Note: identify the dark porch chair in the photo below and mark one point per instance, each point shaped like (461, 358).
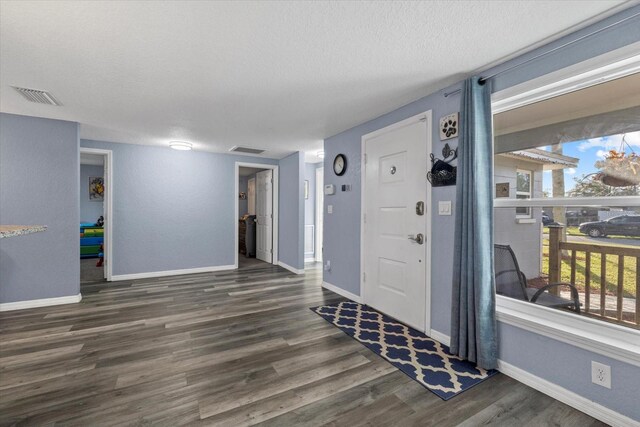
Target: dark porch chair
(512, 282)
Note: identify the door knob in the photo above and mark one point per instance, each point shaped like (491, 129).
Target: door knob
(419, 238)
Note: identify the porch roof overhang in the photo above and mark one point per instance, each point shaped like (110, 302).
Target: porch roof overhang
(548, 160)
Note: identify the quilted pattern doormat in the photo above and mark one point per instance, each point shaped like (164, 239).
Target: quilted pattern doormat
(426, 361)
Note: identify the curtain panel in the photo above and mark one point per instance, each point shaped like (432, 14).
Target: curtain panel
(473, 313)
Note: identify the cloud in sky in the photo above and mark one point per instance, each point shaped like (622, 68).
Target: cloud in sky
(570, 171)
(611, 142)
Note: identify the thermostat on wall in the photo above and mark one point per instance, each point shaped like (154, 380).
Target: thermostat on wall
(329, 189)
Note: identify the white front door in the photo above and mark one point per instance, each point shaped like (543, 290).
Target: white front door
(264, 215)
(394, 259)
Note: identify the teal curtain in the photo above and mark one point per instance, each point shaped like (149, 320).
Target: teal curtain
(473, 312)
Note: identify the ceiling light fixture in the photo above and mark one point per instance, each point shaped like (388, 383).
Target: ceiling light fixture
(320, 154)
(181, 145)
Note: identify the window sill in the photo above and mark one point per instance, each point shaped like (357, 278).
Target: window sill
(614, 341)
(525, 220)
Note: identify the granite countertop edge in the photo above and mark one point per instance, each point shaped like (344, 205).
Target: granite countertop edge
(19, 230)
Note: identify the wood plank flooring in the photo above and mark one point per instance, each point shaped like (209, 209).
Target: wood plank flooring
(227, 348)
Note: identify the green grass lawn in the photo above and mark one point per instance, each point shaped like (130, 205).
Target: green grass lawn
(629, 282)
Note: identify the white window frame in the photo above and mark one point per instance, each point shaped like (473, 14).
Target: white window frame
(529, 193)
(615, 341)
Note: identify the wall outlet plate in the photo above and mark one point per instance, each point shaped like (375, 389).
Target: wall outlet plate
(449, 126)
(444, 207)
(601, 374)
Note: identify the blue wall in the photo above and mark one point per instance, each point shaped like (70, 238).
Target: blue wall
(39, 172)
(291, 211)
(172, 210)
(571, 366)
(90, 210)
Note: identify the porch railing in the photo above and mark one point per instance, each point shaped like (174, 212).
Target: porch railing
(609, 307)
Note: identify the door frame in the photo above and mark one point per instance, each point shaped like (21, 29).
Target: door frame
(108, 207)
(276, 198)
(425, 116)
(319, 215)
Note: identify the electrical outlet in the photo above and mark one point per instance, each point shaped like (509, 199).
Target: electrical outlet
(327, 266)
(601, 374)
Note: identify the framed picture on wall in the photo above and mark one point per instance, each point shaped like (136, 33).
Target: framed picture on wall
(96, 188)
(306, 189)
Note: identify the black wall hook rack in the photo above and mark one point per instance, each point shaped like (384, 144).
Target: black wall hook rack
(442, 173)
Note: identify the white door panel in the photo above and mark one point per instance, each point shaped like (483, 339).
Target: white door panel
(251, 196)
(264, 215)
(394, 265)
(319, 212)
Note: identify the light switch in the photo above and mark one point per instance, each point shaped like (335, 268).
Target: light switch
(330, 209)
(444, 208)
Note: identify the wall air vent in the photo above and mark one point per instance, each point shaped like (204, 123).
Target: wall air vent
(39, 96)
(247, 150)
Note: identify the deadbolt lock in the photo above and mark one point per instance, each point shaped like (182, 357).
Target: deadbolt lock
(420, 208)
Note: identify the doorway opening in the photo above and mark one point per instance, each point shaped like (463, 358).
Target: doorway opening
(95, 215)
(256, 228)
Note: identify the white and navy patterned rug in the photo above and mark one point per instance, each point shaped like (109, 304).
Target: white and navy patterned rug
(420, 357)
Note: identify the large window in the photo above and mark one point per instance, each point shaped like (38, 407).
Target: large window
(567, 181)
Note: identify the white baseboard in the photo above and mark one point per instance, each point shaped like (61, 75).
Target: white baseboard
(152, 274)
(342, 292)
(589, 407)
(440, 337)
(44, 302)
(291, 269)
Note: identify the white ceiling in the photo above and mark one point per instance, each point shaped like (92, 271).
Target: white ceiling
(275, 75)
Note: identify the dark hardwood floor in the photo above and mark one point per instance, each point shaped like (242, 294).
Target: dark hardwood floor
(227, 348)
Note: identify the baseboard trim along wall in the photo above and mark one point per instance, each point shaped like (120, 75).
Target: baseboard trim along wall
(291, 269)
(342, 292)
(151, 274)
(589, 407)
(44, 302)
(440, 337)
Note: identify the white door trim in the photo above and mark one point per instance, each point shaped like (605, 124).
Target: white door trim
(319, 214)
(276, 198)
(427, 115)
(108, 207)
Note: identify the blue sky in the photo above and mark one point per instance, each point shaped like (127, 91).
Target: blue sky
(589, 151)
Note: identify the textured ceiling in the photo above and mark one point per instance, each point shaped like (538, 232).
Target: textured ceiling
(280, 76)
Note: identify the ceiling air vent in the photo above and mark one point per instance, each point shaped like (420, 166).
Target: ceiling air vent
(247, 150)
(39, 96)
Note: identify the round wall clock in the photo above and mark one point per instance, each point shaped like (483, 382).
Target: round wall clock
(340, 164)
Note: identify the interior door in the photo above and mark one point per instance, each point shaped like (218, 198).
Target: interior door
(251, 196)
(319, 212)
(264, 215)
(395, 238)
